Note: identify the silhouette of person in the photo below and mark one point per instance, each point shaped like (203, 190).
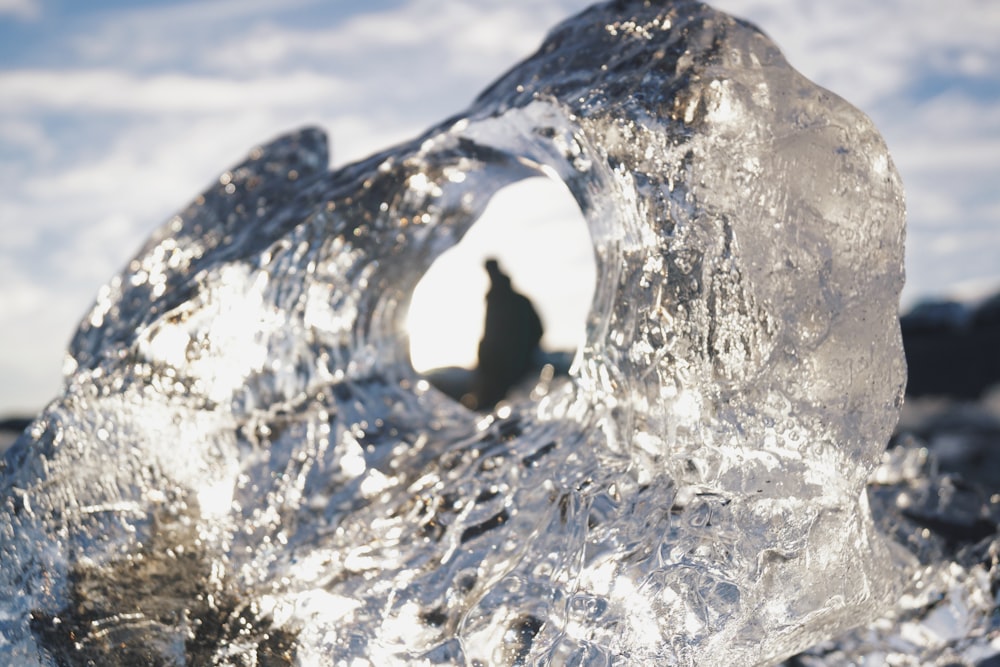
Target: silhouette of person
(510, 340)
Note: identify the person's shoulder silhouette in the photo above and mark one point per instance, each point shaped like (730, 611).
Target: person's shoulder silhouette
(511, 337)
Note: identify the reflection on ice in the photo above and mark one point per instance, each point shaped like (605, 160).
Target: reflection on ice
(245, 470)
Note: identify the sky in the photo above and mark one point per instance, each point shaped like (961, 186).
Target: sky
(115, 114)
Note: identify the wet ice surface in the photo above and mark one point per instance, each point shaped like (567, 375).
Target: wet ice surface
(244, 469)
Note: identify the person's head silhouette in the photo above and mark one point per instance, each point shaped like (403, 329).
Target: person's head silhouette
(498, 279)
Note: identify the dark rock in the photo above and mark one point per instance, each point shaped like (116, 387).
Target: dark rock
(951, 350)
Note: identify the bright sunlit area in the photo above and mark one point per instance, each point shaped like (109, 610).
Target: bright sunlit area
(536, 232)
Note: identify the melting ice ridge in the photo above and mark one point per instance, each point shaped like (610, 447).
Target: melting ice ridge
(244, 469)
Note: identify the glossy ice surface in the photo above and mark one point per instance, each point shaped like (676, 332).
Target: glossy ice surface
(245, 470)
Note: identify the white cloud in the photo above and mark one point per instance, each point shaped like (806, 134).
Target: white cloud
(35, 323)
(82, 91)
(25, 10)
(26, 135)
(145, 34)
(480, 38)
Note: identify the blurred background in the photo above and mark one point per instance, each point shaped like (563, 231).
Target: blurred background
(115, 114)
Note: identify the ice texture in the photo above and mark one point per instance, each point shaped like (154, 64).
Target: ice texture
(244, 469)
(947, 615)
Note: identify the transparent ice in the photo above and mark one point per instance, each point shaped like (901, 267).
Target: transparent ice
(244, 469)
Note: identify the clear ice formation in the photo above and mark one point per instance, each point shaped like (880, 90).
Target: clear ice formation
(244, 469)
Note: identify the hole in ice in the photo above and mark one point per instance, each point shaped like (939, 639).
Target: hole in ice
(536, 233)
